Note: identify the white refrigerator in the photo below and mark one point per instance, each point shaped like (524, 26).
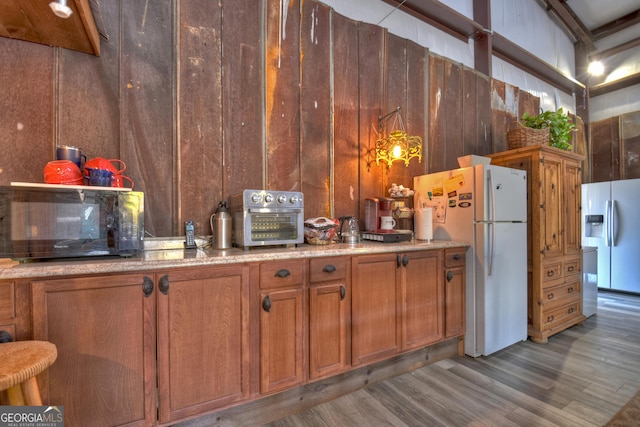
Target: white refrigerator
(610, 222)
(486, 206)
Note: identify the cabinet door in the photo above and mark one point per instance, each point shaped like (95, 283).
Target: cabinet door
(329, 313)
(203, 340)
(422, 298)
(104, 330)
(281, 339)
(327, 330)
(552, 209)
(374, 299)
(572, 188)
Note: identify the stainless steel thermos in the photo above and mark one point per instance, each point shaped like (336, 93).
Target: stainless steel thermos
(221, 227)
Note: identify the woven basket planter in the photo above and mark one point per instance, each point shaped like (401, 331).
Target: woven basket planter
(519, 135)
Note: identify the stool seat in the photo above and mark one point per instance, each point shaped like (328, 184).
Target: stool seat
(20, 362)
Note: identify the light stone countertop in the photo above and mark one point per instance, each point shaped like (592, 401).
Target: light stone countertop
(169, 258)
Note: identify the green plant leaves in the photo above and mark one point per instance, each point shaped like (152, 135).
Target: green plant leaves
(559, 124)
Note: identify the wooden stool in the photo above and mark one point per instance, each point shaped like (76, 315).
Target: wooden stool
(20, 362)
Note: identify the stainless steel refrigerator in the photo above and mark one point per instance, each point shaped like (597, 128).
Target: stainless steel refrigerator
(486, 206)
(610, 211)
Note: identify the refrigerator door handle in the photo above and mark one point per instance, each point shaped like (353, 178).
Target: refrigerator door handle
(491, 196)
(613, 222)
(607, 226)
(492, 229)
(491, 224)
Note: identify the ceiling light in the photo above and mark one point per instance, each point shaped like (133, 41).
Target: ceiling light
(60, 8)
(596, 68)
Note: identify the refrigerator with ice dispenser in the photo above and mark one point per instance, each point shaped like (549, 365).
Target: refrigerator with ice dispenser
(485, 205)
(610, 223)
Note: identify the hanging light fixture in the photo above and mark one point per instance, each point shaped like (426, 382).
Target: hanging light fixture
(398, 145)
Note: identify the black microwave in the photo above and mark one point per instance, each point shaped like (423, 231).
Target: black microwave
(58, 221)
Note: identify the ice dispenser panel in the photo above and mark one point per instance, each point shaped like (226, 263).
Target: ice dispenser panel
(593, 226)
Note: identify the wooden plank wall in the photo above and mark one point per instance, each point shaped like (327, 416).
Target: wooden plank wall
(203, 99)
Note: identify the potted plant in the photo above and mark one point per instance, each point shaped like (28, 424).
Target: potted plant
(559, 124)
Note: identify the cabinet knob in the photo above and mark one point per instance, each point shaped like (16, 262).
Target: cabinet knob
(283, 273)
(163, 284)
(550, 273)
(266, 304)
(343, 292)
(405, 260)
(449, 276)
(571, 268)
(5, 336)
(147, 286)
(457, 256)
(550, 295)
(329, 268)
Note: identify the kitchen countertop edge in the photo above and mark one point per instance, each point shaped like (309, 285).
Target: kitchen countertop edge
(181, 258)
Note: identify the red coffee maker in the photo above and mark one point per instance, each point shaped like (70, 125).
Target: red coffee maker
(374, 208)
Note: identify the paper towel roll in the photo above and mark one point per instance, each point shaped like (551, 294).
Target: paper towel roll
(424, 224)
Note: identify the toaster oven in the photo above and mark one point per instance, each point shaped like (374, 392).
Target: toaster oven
(264, 218)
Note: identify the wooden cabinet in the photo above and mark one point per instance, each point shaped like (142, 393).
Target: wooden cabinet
(454, 292)
(554, 233)
(203, 340)
(375, 289)
(422, 298)
(8, 308)
(329, 316)
(105, 331)
(281, 333)
(397, 303)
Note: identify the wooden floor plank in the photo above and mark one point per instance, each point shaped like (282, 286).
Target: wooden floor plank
(581, 378)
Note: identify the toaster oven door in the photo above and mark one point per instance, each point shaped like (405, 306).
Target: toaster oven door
(273, 227)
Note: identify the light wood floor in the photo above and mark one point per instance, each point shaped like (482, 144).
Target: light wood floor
(581, 377)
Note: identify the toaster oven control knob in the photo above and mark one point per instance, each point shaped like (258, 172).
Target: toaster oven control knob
(282, 198)
(255, 198)
(268, 198)
(294, 199)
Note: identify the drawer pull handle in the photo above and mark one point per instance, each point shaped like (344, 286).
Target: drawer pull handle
(343, 292)
(550, 319)
(457, 257)
(550, 273)
(570, 290)
(283, 273)
(550, 295)
(329, 268)
(571, 268)
(570, 310)
(266, 304)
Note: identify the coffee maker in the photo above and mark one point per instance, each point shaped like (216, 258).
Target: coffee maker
(374, 208)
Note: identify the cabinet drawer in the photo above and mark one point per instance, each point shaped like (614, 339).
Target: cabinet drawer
(454, 257)
(561, 294)
(556, 316)
(328, 269)
(573, 266)
(7, 302)
(551, 271)
(282, 274)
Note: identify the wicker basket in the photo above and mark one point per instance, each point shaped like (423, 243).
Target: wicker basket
(519, 136)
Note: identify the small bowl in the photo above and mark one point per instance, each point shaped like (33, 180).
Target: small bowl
(62, 172)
